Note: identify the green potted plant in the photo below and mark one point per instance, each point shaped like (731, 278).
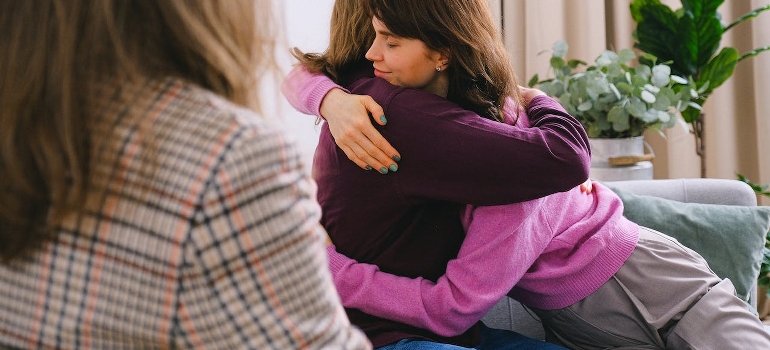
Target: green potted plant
(688, 39)
(616, 99)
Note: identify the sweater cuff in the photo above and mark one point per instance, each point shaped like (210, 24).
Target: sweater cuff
(336, 260)
(316, 96)
(305, 91)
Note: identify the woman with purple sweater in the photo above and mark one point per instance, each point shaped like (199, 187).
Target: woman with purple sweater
(596, 279)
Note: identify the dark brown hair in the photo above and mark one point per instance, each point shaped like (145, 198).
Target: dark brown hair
(480, 73)
(54, 53)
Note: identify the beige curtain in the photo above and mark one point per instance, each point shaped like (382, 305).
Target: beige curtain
(737, 124)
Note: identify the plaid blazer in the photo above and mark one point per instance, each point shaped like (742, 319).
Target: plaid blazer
(200, 230)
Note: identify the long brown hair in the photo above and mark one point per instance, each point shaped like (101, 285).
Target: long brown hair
(480, 73)
(53, 54)
(350, 35)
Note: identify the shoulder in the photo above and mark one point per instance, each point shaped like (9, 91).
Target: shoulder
(205, 117)
(198, 130)
(397, 100)
(543, 102)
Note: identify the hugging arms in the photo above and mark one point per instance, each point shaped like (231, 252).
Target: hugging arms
(471, 286)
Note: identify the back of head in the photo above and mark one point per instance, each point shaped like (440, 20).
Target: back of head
(350, 35)
(54, 53)
(480, 74)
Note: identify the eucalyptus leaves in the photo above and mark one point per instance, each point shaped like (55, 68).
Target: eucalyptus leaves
(613, 99)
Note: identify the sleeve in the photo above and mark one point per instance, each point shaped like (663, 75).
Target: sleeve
(305, 91)
(262, 279)
(484, 162)
(467, 290)
(474, 160)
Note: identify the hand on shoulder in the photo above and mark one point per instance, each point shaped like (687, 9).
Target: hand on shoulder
(349, 121)
(530, 93)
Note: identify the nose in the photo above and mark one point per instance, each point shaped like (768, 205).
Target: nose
(373, 54)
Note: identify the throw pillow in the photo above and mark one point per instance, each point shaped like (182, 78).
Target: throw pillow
(730, 238)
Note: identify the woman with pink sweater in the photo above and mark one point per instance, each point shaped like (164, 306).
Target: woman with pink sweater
(579, 264)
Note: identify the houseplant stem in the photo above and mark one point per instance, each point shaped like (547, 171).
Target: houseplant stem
(700, 145)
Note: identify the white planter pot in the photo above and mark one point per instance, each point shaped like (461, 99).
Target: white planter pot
(620, 159)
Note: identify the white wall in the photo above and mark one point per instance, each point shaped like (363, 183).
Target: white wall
(305, 24)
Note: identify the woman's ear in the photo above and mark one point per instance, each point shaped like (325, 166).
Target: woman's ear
(444, 57)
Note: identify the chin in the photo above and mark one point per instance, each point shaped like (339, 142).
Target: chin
(392, 82)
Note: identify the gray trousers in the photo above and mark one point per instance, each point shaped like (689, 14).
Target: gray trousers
(664, 297)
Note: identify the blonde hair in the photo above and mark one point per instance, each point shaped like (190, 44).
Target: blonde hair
(53, 53)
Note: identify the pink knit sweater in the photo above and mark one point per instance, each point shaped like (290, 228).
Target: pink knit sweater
(547, 253)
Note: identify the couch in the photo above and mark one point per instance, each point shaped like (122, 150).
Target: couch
(509, 314)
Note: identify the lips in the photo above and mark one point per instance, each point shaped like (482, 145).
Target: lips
(380, 74)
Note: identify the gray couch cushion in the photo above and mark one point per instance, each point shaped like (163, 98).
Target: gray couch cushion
(731, 238)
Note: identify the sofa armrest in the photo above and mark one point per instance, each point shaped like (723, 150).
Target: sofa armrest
(706, 191)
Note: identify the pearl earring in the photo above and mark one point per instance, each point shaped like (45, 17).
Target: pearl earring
(438, 69)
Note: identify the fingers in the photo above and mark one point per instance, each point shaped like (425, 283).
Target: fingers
(530, 93)
(586, 187)
(379, 148)
(363, 152)
(374, 109)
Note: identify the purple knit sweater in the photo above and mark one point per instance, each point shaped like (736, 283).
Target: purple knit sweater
(408, 223)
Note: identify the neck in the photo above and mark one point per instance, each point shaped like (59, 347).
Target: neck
(440, 86)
